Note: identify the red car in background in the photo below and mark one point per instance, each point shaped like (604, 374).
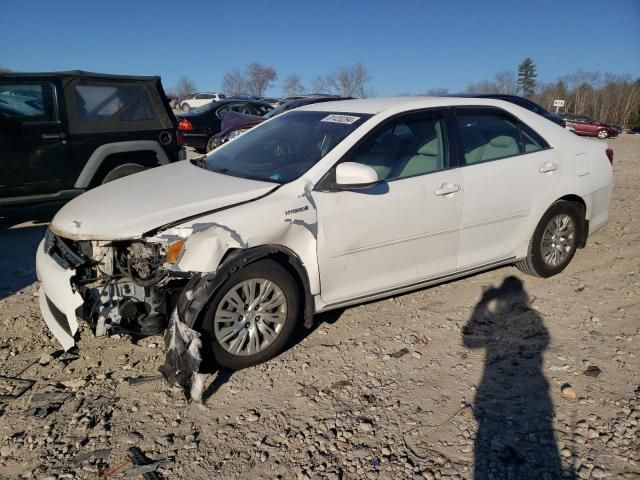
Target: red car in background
(589, 127)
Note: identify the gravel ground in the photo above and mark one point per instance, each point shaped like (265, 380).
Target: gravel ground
(496, 376)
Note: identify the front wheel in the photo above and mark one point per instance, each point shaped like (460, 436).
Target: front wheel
(554, 241)
(253, 315)
(186, 107)
(602, 133)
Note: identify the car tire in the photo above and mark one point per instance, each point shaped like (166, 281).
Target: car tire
(213, 143)
(122, 171)
(554, 240)
(602, 134)
(185, 107)
(232, 330)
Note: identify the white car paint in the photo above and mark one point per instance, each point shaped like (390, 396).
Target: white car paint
(354, 246)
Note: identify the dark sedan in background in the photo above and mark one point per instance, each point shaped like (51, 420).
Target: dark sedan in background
(589, 127)
(235, 124)
(199, 126)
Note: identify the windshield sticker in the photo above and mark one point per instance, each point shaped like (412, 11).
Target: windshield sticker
(344, 119)
(276, 177)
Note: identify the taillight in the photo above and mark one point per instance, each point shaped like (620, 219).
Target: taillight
(180, 139)
(185, 125)
(609, 152)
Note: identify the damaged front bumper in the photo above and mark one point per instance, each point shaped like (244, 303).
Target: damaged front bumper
(58, 301)
(85, 280)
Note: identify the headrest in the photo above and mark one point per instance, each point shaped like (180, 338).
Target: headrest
(429, 148)
(502, 141)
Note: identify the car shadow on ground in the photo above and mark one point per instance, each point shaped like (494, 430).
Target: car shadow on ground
(223, 375)
(513, 407)
(18, 256)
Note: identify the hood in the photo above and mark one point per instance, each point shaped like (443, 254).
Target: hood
(129, 207)
(238, 121)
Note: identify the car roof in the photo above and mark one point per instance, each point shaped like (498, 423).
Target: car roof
(378, 105)
(78, 73)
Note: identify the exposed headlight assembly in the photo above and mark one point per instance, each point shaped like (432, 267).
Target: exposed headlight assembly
(142, 262)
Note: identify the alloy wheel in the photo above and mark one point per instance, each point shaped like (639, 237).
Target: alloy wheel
(558, 240)
(250, 316)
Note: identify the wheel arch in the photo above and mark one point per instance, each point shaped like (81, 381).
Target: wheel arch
(202, 286)
(583, 231)
(99, 158)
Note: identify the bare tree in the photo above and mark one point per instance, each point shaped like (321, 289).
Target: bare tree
(345, 81)
(292, 85)
(483, 86)
(185, 87)
(234, 83)
(259, 78)
(506, 82)
(607, 97)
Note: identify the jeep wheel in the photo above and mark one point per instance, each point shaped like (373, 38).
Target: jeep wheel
(122, 171)
(253, 315)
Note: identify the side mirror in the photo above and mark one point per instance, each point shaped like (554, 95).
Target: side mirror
(355, 175)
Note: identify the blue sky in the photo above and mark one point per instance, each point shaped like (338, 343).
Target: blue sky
(407, 45)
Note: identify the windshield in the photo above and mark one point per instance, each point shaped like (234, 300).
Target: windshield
(283, 149)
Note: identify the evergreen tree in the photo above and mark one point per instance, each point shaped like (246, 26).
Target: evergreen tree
(527, 77)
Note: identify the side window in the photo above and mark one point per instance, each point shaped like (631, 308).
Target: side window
(532, 141)
(101, 103)
(28, 102)
(260, 109)
(406, 148)
(488, 136)
(222, 111)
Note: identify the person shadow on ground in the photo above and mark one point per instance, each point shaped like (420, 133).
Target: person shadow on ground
(513, 408)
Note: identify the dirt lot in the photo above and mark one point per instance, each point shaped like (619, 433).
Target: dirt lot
(441, 383)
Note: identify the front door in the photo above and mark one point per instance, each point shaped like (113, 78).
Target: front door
(34, 154)
(401, 231)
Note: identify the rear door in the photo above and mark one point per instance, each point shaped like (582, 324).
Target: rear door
(403, 230)
(509, 173)
(34, 153)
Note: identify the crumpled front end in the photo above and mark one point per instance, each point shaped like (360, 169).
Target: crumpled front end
(115, 286)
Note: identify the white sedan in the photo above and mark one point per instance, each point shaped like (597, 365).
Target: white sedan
(326, 206)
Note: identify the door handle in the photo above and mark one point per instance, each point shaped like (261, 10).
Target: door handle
(54, 136)
(447, 189)
(548, 168)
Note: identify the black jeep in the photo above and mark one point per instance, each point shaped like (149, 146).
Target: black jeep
(65, 132)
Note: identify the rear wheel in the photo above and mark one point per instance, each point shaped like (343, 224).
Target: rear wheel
(554, 241)
(253, 315)
(122, 171)
(213, 143)
(602, 133)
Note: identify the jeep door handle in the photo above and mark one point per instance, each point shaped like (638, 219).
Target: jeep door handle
(54, 136)
(447, 189)
(548, 168)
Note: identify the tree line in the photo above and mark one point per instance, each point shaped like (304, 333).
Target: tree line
(255, 79)
(607, 97)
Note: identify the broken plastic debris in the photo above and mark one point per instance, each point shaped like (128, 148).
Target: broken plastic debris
(182, 362)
